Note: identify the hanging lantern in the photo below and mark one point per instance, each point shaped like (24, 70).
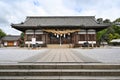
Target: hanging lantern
(68, 33)
(64, 35)
(60, 34)
(57, 36)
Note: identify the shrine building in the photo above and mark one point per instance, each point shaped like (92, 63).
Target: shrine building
(44, 30)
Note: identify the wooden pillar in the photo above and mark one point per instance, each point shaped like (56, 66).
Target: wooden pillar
(45, 38)
(34, 34)
(74, 38)
(86, 36)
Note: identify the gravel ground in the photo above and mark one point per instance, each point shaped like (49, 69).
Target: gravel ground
(105, 55)
(17, 54)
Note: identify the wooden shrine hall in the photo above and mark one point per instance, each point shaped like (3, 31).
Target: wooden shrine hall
(76, 30)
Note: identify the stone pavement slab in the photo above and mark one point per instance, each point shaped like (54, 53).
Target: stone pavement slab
(59, 55)
(104, 55)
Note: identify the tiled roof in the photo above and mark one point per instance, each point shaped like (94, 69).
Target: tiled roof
(11, 38)
(56, 21)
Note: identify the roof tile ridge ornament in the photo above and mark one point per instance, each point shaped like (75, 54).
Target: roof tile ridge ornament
(94, 19)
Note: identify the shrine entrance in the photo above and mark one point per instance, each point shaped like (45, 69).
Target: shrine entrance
(61, 36)
(60, 39)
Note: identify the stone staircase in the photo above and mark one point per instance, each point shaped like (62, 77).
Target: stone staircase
(59, 71)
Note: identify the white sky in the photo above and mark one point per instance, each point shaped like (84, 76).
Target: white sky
(15, 11)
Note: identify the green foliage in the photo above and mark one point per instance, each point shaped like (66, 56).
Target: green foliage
(21, 40)
(116, 36)
(113, 36)
(107, 21)
(2, 34)
(107, 35)
(22, 36)
(116, 28)
(117, 20)
(112, 32)
(100, 35)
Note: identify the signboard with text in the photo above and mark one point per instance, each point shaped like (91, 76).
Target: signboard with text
(33, 40)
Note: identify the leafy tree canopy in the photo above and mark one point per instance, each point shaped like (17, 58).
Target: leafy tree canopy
(112, 32)
(107, 21)
(22, 36)
(117, 20)
(21, 40)
(2, 34)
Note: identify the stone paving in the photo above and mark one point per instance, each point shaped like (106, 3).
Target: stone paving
(59, 64)
(97, 55)
(104, 55)
(59, 55)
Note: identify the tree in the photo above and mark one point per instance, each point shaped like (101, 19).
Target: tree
(117, 20)
(113, 36)
(116, 29)
(22, 36)
(2, 34)
(22, 40)
(101, 37)
(108, 34)
(107, 21)
(112, 32)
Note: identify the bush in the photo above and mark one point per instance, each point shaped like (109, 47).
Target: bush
(115, 43)
(22, 45)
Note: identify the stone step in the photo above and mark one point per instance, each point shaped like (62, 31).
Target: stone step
(58, 78)
(60, 66)
(60, 72)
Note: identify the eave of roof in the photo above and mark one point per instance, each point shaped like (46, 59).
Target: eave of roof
(35, 22)
(11, 38)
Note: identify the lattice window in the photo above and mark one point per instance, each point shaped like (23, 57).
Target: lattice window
(81, 37)
(29, 37)
(38, 37)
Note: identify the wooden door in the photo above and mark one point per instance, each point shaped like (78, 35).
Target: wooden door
(10, 43)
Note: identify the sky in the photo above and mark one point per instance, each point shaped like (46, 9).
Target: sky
(15, 11)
